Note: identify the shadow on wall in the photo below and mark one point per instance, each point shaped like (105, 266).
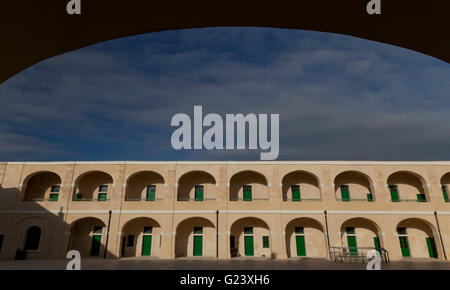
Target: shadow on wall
(34, 232)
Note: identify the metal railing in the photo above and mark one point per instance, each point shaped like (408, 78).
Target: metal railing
(408, 200)
(356, 254)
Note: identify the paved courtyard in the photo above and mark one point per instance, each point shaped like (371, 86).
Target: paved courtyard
(212, 264)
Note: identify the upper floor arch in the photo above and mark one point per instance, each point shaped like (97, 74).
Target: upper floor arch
(41, 185)
(248, 185)
(196, 185)
(407, 186)
(353, 185)
(93, 184)
(143, 185)
(300, 185)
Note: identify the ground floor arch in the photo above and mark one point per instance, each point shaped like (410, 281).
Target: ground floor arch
(305, 237)
(250, 237)
(416, 239)
(360, 233)
(195, 237)
(88, 236)
(140, 237)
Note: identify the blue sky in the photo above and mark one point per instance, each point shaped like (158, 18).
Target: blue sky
(339, 97)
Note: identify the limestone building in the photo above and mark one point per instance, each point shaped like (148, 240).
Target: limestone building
(279, 209)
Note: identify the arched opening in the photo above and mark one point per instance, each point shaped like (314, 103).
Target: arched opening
(196, 186)
(445, 183)
(353, 186)
(93, 185)
(250, 237)
(42, 186)
(248, 186)
(144, 185)
(416, 239)
(88, 235)
(300, 185)
(32, 239)
(360, 233)
(195, 237)
(407, 186)
(140, 237)
(305, 237)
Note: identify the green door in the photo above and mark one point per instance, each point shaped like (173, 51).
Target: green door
(198, 245)
(404, 246)
(445, 193)
(248, 243)
(151, 193)
(376, 241)
(351, 241)
(394, 193)
(95, 247)
(295, 193)
(146, 245)
(301, 248)
(345, 193)
(247, 193)
(432, 248)
(199, 193)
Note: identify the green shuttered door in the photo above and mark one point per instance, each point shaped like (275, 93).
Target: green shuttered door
(351, 241)
(198, 245)
(248, 243)
(95, 247)
(295, 193)
(345, 193)
(146, 245)
(404, 246)
(394, 193)
(432, 248)
(301, 248)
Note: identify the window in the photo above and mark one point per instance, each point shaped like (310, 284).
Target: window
(394, 193)
(350, 230)
(247, 189)
(102, 192)
(345, 193)
(148, 230)
(401, 231)
(248, 231)
(232, 243)
(32, 239)
(103, 188)
(299, 230)
(78, 196)
(151, 193)
(199, 192)
(97, 230)
(198, 230)
(55, 189)
(369, 197)
(445, 193)
(54, 193)
(295, 192)
(130, 241)
(265, 242)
